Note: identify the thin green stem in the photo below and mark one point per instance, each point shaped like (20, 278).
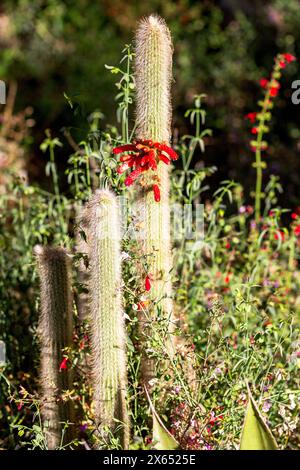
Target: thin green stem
(88, 171)
(258, 162)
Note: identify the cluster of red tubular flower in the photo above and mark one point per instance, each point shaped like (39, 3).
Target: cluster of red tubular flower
(271, 87)
(142, 156)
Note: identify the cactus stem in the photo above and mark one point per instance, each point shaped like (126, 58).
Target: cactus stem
(107, 320)
(55, 331)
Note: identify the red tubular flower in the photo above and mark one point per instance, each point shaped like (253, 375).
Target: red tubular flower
(145, 155)
(279, 235)
(251, 117)
(289, 57)
(156, 192)
(134, 175)
(147, 284)
(254, 130)
(164, 159)
(127, 158)
(168, 150)
(297, 230)
(63, 364)
(263, 82)
(273, 91)
(124, 148)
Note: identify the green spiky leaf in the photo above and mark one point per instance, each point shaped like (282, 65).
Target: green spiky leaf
(256, 435)
(162, 438)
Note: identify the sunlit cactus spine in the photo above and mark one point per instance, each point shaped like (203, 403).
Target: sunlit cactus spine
(55, 331)
(109, 375)
(153, 75)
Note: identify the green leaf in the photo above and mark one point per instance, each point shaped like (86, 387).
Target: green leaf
(256, 435)
(162, 438)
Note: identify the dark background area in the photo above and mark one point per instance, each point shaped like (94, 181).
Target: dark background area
(222, 48)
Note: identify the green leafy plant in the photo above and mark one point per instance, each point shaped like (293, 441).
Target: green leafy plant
(256, 435)
(162, 438)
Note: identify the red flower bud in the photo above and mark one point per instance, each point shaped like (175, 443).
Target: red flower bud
(251, 117)
(297, 230)
(147, 284)
(63, 364)
(264, 82)
(289, 57)
(273, 91)
(156, 191)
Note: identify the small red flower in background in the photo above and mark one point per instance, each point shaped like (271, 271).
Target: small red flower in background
(279, 235)
(227, 278)
(254, 130)
(214, 420)
(289, 57)
(63, 364)
(294, 216)
(286, 59)
(273, 91)
(145, 155)
(251, 117)
(147, 284)
(297, 230)
(263, 82)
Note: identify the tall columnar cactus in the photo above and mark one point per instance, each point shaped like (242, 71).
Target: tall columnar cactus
(106, 315)
(153, 74)
(55, 330)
